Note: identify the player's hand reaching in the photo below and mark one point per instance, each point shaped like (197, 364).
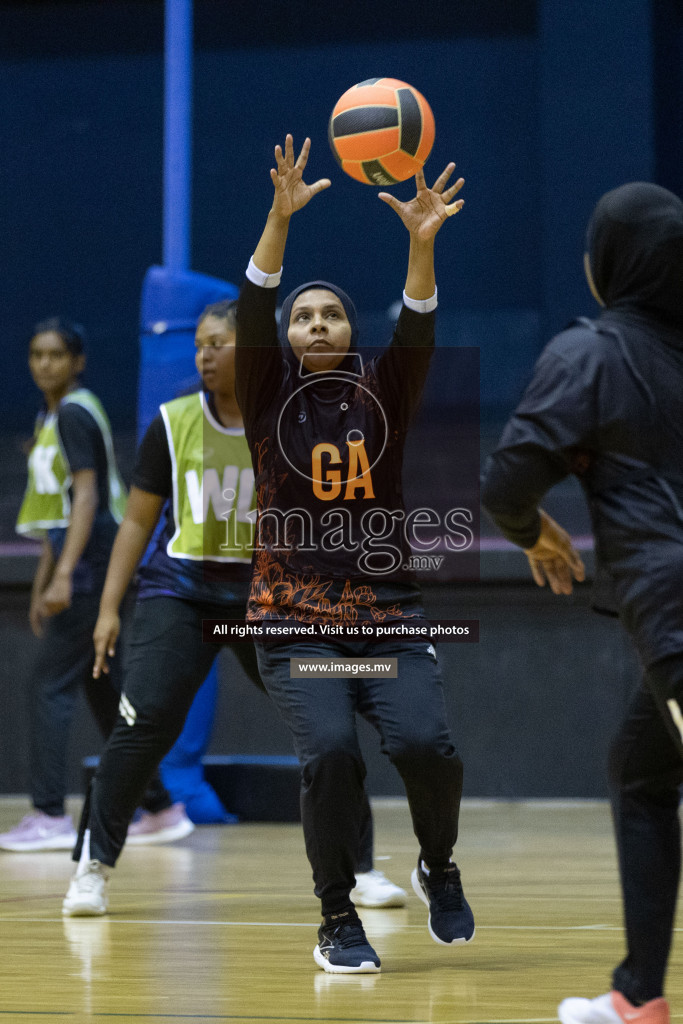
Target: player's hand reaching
(424, 215)
(554, 558)
(291, 191)
(105, 635)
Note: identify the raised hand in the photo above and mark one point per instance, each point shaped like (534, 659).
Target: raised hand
(291, 191)
(424, 215)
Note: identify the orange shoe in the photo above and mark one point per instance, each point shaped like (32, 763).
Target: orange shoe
(612, 1008)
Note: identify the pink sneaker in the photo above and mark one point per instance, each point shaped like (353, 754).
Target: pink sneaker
(612, 1008)
(162, 827)
(39, 831)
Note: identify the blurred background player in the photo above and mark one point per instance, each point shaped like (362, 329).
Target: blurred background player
(193, 456)
(308, 403)
(74, 501)
(606, 403)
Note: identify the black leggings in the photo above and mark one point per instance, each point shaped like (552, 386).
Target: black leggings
(63, 669)
(166, 662)
(646, 771)
(410, 715)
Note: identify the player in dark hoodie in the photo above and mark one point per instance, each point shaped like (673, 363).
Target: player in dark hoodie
(606, 403)
(326, 431)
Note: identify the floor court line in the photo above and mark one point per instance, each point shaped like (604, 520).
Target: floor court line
(270, 896)
(286, 1020)
(251, 1019)
(112, 919)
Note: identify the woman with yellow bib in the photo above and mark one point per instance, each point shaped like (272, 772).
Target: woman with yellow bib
(74, 501)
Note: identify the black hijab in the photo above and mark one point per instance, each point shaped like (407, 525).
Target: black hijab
(635, 246)
(349, 364)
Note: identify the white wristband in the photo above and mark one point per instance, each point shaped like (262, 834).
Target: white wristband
(260, 277)
(421, 305)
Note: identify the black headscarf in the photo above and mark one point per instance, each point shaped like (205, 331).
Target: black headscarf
(635, 246)
(349, 364)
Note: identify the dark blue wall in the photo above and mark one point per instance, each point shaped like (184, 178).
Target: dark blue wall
(543, 106)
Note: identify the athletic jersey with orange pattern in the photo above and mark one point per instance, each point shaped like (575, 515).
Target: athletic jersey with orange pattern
(331, 543)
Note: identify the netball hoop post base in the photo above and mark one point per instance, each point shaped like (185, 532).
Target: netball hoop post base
(254, 787)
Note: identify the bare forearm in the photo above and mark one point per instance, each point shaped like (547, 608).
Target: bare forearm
(131, 540)
(420, 279)
(423, 216)
(83, 511)
(270, 251)
(44, 570)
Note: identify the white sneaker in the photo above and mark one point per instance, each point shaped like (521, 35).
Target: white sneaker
(612, 1008)
(87, 893)
(373, 889)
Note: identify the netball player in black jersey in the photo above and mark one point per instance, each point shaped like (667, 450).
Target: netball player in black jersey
(326, 434)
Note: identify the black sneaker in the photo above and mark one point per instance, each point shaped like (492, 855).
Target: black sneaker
(451, 922)
(343, 948)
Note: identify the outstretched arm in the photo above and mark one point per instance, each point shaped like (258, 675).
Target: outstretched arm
(258, 362)
(555, 425)
(423, 217)
(291, 194)
(403, 367)
(513, 485)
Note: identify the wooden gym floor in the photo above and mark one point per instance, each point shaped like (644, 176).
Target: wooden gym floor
(221, 926)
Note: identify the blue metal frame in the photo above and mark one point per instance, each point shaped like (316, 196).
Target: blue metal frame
(177, 134)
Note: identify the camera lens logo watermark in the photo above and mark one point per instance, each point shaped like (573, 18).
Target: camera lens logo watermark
(354, 437)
